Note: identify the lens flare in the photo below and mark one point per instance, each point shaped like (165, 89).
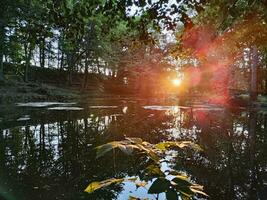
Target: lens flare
(176, 82)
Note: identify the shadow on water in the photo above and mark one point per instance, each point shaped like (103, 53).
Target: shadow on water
(49, 154)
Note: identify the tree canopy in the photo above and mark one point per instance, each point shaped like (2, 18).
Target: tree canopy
(109, 36)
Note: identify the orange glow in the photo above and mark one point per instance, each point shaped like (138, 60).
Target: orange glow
(176, 82)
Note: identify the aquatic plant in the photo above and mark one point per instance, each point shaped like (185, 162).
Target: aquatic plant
(173, 183)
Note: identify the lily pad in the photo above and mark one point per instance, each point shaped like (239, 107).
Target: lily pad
(42, 104)
(66, 108)
(100, 107)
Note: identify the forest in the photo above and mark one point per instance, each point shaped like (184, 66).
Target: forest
(124, 43)
(133, 99)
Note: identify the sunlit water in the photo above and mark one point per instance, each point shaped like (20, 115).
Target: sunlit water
(47, 150)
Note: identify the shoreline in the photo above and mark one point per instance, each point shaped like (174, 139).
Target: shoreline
(15, 92)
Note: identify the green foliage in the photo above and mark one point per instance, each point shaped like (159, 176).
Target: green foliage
(98, 185)
(159, 185)
(170, 144)
(87, 31)
(171, 194)
(172, 183)
(154, 171)
(129, 144)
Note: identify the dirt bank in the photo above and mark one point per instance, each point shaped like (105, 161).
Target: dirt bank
(14, 91)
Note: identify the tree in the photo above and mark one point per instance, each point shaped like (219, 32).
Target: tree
(219, 37)
(8, 12)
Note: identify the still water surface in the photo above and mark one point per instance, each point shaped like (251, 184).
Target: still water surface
(47, 150)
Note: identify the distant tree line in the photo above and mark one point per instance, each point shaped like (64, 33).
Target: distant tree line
(112, 37)
(81, 36)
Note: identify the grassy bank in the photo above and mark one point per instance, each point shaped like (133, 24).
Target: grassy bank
(14, 91)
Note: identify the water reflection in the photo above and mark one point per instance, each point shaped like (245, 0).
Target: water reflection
(51, 155)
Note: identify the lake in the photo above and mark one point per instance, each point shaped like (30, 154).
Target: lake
(47, 150)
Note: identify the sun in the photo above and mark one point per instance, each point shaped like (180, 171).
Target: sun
(176, 81)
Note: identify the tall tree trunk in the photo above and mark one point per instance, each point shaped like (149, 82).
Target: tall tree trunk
(61, 50)
(27, 66)
(70, 67)
(253, 81)
(70, 76)
(28, 53)
(2, 41)
(85, 81)
(62, 61)
(2, 152)
(87, 57)
(49, 55)
(42, 53)
(98, 67)
(58, 58)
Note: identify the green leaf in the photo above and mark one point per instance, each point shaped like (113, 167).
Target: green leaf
(182, 181)
(141, 184)
(132, 198)
(185, 197)
(158, 186)
(190, 145)
(161, 146)
(153, 155)
(198, 189)
(103, 149)
(135, 198)
(182, 185)
(92, 187)
(122, 145)
(127, 149)
(98, 185)
(174, 173)
(153, 170)
(185, 192)
(165, 145)
(135, 140)
(133, 179)
(69, 4)
(171, 194)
